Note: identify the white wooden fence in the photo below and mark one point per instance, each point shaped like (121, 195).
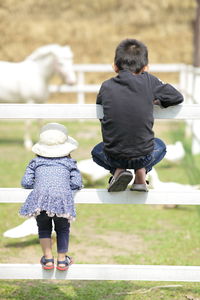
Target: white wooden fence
(101, 272)
(81, 87)
(191, 90)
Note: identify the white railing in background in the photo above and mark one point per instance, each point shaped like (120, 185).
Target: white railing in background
(190, 87)
(81, 88)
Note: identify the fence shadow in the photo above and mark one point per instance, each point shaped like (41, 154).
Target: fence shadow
(11, 141)
(20, 244)
(66, 290)
(93, 290)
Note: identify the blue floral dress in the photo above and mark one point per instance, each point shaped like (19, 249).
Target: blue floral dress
(54, 181)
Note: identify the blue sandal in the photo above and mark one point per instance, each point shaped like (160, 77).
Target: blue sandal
(67, 262)
(44, 261)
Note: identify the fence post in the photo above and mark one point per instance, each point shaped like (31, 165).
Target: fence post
(196, 123)
(81, 82)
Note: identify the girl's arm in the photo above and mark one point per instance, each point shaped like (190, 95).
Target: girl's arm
(28, 179)
(75, 179)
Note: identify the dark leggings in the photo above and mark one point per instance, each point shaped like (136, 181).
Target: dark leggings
(62, 226)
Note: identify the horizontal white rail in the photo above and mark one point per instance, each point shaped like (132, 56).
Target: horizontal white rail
(103, 272)
(108, 67)
(101, 196)
(87, 111)
(81, 88)
(50, 111)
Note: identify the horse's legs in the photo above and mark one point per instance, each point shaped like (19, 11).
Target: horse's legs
(27, 136)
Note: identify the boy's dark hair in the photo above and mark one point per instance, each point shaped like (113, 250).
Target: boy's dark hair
(131, 55)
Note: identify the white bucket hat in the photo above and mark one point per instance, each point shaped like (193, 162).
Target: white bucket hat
(54, 141)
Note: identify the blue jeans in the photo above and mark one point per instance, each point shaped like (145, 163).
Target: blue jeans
(147, 162)
(44, 223)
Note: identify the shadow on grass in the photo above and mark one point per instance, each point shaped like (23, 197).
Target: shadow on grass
(12, 141)
(73, 290)
(189, 163)
(198, 209)
(179, 208)
(94, 290)
(20, 244)
(21, 290)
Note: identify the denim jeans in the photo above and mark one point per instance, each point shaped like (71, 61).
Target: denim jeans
(147, 162)
(62, 226)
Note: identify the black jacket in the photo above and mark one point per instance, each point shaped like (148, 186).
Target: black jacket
(127, 101)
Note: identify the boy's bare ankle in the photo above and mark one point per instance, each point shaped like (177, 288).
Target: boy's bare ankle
(140, 176)
(118, 171)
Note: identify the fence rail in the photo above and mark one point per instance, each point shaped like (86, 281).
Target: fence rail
(103, 272)
(101, 196)
(108, 68)
(88, 111)
(81, 87)
(188, 79)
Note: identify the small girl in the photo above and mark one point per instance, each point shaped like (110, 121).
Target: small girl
(53, 176)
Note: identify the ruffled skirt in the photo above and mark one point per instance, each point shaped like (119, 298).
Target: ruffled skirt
(60, 204)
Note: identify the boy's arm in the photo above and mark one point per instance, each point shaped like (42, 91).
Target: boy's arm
(165, 94)
(99, 97)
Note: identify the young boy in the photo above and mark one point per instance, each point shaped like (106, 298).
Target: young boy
(127, 101)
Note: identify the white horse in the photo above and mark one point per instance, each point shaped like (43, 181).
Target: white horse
(28, 80)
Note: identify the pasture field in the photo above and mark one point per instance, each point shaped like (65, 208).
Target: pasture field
(105, 234)
(84, 25)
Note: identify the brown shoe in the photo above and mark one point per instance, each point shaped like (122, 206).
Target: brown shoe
(120, 183)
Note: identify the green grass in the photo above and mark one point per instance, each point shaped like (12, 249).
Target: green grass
(103, 234)
(96, 290)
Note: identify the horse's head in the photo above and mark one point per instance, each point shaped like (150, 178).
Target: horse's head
(64, 64)
(55, 58)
